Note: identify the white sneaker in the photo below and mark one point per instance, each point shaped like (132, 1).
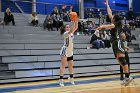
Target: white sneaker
(61, 82)
(71, 80)
(127, 81)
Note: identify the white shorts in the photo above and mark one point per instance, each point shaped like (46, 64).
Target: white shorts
(65, 52)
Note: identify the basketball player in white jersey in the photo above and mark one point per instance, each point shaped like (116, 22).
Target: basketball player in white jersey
(66, 52)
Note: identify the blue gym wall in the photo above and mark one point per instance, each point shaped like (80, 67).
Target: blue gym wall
(90, 3)
(42, 9)
(114, 4)
(136, 7)
(10, 4)
(27, 7)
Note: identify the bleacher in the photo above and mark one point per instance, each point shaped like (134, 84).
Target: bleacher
(31, 53)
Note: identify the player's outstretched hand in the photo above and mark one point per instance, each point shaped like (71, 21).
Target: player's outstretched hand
(106, 2)
(99, 28)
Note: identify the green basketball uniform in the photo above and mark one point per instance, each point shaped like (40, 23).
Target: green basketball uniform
(117, 44)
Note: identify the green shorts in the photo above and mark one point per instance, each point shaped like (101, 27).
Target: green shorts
(118, 47)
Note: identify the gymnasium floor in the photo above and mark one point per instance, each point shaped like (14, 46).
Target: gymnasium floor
(101, 84)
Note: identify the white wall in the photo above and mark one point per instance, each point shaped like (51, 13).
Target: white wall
(81, 9)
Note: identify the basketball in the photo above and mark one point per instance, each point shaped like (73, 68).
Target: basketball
(73, 16)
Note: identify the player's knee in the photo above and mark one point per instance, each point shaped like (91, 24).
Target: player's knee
(122, 60)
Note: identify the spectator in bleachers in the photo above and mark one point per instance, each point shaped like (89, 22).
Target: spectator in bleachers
(66, 17)
(138, 21)
(132, 24)
(8, 17)
(48, 23)
(71, 9)
(34, 19)
(123, 38)
(80, 27)
(91, 27)
(130, 14)
(105, 37)
(55, 11)
(88, 27)
(66, 14)
(101, 18)
(85, 28)
(57, 21)
(63, 9)
(54, 20)
(96, 41)
(127, 31)
(124, 20)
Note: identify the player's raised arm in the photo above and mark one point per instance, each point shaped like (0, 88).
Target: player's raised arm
(108, 10)
(105, 27)
(75, 25)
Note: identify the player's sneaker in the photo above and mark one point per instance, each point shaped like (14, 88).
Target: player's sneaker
(71, 80)
(127, 81)
(121, 78)
(61, 82)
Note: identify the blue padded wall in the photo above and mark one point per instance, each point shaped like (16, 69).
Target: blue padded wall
(136, 7)
(42, 9)
(46, 9)
(10, 4)
(114, 4)
(27, 7)
(90, 3)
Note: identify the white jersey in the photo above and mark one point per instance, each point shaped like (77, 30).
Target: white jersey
(67, 49)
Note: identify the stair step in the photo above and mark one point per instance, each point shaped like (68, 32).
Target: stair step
(0, 59)
(7, 75)
(137, 49)
(3, 67)
(134, 46)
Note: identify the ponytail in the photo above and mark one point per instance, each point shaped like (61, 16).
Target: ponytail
(62, 30)
(118, 21)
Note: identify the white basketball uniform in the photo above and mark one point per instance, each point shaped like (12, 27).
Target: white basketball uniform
(67, 48)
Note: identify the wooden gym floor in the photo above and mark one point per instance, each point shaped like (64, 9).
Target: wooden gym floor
(100, 84)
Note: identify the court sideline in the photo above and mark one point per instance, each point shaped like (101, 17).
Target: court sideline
(100, 84)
